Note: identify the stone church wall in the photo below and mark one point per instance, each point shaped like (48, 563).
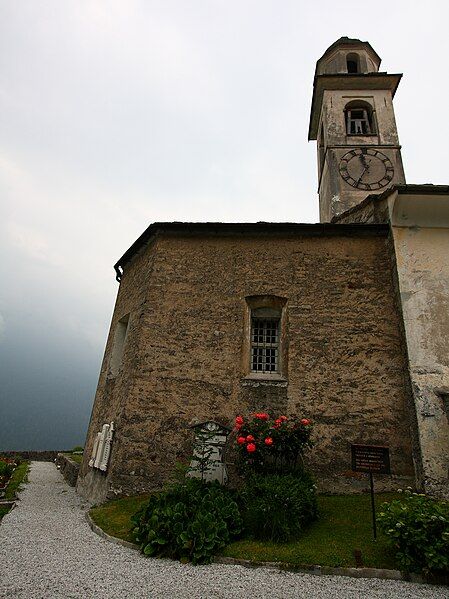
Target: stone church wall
(185, 357)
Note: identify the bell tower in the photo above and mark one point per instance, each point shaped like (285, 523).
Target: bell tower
(352, 119)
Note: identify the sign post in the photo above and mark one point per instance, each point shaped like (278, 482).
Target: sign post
(371, 459)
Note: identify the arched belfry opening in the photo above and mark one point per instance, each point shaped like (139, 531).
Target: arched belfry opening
(359, 118)
(353, 63)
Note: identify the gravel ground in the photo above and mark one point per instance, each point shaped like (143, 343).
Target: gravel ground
(48, 550)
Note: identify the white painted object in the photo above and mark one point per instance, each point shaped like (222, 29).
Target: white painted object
(101, 450)
(94, 450)
(107, 447)
(210, 437)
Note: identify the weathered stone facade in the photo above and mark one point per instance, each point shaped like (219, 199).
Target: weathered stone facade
(185, 355)
(419, 219)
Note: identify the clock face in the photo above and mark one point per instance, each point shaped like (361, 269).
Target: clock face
(366, 169)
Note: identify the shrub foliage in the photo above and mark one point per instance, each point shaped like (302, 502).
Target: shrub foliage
(6, 469)
(189, 521)
(418, 527)
(278, 507)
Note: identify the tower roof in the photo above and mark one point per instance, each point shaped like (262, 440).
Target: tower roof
(350, 44)
(348, 64)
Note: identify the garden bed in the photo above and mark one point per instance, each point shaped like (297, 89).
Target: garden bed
(13, 485)
(343, 527)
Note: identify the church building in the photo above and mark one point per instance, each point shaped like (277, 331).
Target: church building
(345, 322)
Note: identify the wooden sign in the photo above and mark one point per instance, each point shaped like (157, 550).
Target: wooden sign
(373, 459)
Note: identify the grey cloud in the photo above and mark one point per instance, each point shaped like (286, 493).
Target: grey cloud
(116, 114)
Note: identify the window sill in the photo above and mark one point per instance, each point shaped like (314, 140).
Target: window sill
(264, 379)
(361, 135)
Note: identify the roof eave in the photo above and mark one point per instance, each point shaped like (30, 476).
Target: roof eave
(242, 229)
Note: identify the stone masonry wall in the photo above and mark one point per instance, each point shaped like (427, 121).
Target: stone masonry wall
(69, 469)
(185, 356)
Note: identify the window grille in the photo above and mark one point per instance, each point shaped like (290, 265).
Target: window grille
(358, 122)
(265, 344)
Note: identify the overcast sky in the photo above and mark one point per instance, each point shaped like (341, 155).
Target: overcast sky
(117, 114)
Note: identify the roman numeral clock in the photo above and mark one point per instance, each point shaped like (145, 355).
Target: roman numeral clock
(366, 169)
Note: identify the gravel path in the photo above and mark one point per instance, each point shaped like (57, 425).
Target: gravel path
(47, 550)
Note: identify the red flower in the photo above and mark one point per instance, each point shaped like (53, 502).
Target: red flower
(305, 421)
(268, 441)
(283, 418)
(251, 447)
(239, 421)
(241, 440)
(250, 438)
(261, 416)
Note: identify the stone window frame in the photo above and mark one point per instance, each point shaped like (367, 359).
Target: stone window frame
(118, 346)
(271, 302)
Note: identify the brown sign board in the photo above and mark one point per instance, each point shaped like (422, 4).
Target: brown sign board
(370, 458)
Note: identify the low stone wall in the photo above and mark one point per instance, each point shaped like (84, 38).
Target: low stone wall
(69, 468)
(33, 456)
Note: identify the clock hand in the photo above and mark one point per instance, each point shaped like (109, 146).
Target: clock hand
(363, 172)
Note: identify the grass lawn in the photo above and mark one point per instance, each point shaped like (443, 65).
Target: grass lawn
(114, 517)
(76, 457)
(18, 477)
(345, 524)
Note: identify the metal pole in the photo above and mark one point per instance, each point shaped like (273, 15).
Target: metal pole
(373, 507)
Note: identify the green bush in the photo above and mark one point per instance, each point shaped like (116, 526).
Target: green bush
(278, 507)
(191, 521)
(6, 469)
(418, 527)
(78, 449)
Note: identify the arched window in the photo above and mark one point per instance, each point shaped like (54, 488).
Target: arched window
(353, 63)
(359, 118)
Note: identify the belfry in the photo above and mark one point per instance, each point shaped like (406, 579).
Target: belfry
(352, 119)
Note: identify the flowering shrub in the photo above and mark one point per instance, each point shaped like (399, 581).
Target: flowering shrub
(418, 527)
(267, 444)
(278, 507)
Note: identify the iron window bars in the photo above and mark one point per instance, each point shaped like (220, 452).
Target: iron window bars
(265, 344)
